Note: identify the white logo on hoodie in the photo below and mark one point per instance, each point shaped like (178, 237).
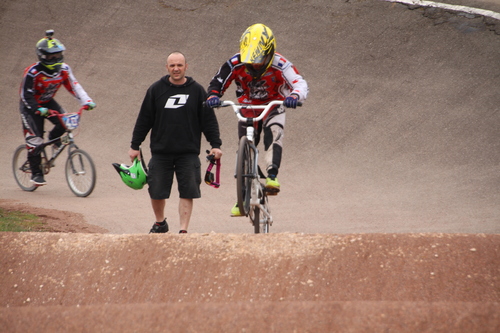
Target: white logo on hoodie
(176, 101)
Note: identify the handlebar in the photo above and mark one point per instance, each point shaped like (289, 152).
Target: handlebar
(55, 113)
(70, 120)
(79, 112)
(265, 107)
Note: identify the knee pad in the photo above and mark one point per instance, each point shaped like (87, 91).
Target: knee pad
(32, 142)
(273, 134)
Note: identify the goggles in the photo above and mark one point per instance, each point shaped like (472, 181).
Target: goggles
(210, 178)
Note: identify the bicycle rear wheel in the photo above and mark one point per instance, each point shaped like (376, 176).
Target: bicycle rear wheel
(244, 163)
(261, 221)
(22, 170)
(80, 173)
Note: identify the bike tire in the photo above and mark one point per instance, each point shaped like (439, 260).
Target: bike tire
(21, 169)
(80, 173)
(265, 221)
(255, 218)
(244, 162)
(260, 221)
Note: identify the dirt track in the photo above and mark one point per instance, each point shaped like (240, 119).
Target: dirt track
(391, 176)
(238, 283)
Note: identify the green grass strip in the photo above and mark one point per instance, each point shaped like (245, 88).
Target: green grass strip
(16, 221)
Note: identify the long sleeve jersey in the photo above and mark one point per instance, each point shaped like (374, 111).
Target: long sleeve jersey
(40, 85)
(176, 116)
(280, 80)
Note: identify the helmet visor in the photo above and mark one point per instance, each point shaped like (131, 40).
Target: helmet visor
(261, 62)
(52, 58)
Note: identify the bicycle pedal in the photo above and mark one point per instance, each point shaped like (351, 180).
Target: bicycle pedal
(272, 191)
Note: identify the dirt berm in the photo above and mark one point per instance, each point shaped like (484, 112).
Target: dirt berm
(249, 283)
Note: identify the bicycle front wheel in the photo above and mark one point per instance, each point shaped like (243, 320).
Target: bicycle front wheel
(80, 173)
(22, 170)
(244, 162)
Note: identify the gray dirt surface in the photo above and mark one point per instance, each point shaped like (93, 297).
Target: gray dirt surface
(389, 213)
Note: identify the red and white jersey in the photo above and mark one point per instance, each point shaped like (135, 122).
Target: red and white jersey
(280, 80)
(39, 85)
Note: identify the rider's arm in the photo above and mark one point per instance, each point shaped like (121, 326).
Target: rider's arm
(222, 80)
(72, 85)
(295, 81)
(27, 90)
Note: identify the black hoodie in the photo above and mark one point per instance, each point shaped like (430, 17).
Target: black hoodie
(176, 116)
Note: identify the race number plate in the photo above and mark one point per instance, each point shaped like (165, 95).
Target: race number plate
(71, 121)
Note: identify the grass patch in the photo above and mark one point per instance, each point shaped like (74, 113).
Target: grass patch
(18, 221)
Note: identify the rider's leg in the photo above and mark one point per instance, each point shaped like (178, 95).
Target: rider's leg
(58, 128)
(33, 127)
(273, 142)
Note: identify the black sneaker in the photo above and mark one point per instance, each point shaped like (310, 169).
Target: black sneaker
(183, 231)
(38, 180)
(159, 228)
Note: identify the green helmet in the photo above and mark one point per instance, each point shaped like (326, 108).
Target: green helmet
(134, 176)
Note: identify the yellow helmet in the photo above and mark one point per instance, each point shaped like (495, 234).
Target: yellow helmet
(257, 47)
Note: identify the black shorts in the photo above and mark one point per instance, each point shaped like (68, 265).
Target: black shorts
(161, 176)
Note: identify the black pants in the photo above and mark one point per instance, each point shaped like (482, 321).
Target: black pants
(33, 130)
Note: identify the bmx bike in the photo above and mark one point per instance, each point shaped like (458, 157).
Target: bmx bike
(79, 168)
(252, 195)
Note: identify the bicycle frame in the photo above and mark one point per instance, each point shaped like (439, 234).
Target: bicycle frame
(70, 122)
(258, 201)
(79, 167)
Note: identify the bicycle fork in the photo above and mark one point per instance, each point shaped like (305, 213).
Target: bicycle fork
(257, 195)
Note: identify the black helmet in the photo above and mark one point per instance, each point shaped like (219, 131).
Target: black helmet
(50, 51)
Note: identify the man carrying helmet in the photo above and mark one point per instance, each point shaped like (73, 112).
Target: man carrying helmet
(41, 81)
(173, 111)
(261, 75)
